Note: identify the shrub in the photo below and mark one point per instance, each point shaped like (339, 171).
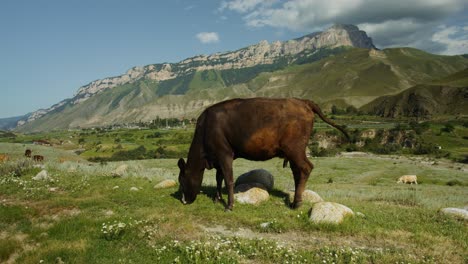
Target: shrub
(16, 167)
(113, 231)
(425, 148)
(454, 183)
(448, 128)
(463, 159)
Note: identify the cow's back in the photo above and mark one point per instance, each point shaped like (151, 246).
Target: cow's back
(255, 128)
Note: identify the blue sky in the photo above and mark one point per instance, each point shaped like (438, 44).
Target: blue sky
(49, 48)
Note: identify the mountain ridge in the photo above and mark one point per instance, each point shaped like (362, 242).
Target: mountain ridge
(446, 96)
(333, 73)
(262, 53)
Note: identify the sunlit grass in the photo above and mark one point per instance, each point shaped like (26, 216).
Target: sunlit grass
(64, 218)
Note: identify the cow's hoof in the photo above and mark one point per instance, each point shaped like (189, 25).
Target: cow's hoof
(296, 205)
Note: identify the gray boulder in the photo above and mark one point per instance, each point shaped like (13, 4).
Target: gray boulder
(461, 213)
(329, 212)
(253, 196)
(256, 178)
(41, 176)
(165, 184)
(120, 171)
(308, 196)
(247, 186)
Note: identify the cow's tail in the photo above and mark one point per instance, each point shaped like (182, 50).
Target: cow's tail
(316, 109)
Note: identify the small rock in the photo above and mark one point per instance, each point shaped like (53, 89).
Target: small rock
(165, 184)
(360, 215)
(308, 196)
(134, 189)
(115, 187)
(41, 176)
(120, 171)
(329, 212)
(53, 189)
(253, 196)
(109, 213)
(265, 225)
(258, 177)
(456, 212)
(247, 186)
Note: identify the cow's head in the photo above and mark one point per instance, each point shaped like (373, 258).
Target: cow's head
(189, 181)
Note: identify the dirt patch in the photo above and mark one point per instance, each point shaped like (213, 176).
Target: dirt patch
(307, 240)
(398, 240)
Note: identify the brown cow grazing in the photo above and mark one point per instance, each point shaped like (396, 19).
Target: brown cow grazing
(27, 153)
(4, 157)
(255, 129)
(38, 158)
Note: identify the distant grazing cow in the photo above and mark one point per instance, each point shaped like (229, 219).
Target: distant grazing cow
(408, 179)
(255, 129)
(27, 153)
(38, 158)
(4, 157)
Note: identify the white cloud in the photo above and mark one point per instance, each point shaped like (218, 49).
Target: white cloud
(454, 38)
(306, 14)
(243, 6)
(389, 23)
(208, 37)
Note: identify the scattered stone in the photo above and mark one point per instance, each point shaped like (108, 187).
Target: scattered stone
(72, 212)
(265, 225)
(115, 187)
(360, 215)
(329, 212)
(134, 189)
(165, 184)
(41, 176)
(247, 186)
(120, 171)
(109, 213)
(253, 196)
(40, 166)
(461, 213)
(53, 189)
(308, 196)
(258, 177)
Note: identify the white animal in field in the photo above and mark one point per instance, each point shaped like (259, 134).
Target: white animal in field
(408, 179)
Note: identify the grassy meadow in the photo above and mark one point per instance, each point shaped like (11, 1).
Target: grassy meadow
(83, 214)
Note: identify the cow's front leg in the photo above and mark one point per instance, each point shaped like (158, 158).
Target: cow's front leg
(226, 168)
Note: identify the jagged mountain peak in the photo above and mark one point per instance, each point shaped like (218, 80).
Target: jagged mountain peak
(262, 53)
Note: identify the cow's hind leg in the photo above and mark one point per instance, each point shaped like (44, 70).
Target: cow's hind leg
(219, 185)
(301, 168)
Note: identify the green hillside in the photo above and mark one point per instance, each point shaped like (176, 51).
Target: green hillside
(446, 96)
(343, 76)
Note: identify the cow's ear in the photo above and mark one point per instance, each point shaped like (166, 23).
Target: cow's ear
(181, 164)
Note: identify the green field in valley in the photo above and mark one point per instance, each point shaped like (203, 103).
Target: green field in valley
(84, 214)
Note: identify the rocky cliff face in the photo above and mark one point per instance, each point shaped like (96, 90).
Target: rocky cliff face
(258, 54)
